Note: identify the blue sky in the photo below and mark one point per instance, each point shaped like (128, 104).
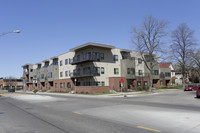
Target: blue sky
(52, 27)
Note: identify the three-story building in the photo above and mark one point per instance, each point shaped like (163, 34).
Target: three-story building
(92, 68)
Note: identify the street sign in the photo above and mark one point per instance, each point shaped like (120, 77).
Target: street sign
(121, 80)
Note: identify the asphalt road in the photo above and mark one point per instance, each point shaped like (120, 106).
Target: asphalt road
(172, 112)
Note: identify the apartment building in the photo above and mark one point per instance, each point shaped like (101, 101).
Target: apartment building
(90, 68)
(167, 72)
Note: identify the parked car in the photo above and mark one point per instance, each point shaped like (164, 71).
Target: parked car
(11, 90)
(191, 88)
(198, 92)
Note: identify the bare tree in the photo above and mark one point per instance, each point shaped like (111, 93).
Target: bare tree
(196, 60)
(148, 41)
(182, 42)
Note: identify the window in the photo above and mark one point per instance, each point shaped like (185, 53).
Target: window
(68, 85)
(50, 75)
(78, 71)
(69, 61)
(128, 70)
(162, 75)
(149, 58)
(61, 85)
(139, 61)
(98, 56)
(145, 83)
(96, 70)
(41, 76)
(66, 73)
(102, 83)
(69, 73)
(132, 71)
(61, 74)
(31, 70)
(161, 82)
(61, 63)
(86, 70)
(102, 70)
(115, 58)
(95, 83)
(56, 85)
(75, 71)
(167, 74)
(155, 72)
(140, 72)
(138, 83)
(78, 57)
(66, 61)
(102, 56)
(98, 83)
(116, 70)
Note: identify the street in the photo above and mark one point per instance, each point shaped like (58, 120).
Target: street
(169, 112)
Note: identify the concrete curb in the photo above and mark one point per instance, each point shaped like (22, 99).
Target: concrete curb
(128, 94)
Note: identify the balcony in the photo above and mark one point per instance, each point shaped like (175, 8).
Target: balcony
(45, 66)
(86, 74)
(142, 75)
(52, 68)
(38, 68)
(50, 79)
(54, 64)
(165, 76)
(25, 73)
(86, 59)
(42, 80)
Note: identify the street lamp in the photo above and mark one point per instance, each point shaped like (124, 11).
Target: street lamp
(15, 31)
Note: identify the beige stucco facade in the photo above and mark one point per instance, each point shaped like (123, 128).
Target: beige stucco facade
(90, 64)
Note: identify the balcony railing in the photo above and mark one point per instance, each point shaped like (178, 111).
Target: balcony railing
(142, 75)
(87, 74)
(88, 58)
(25, 73)
(56, 64)
(45, 66)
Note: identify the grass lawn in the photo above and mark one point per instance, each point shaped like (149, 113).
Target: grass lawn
(103, 93)
(172, 87)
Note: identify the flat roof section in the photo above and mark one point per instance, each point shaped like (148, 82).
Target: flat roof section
(26, 65)
(91, 44)
(55, 57)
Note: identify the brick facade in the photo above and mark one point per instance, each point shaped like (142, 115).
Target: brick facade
(68, 85)
(92, 89)
(114, 83)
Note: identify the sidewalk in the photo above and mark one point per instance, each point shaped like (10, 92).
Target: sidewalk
(117, 94)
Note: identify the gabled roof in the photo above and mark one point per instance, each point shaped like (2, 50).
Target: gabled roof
(174, 77)
(165, 65)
